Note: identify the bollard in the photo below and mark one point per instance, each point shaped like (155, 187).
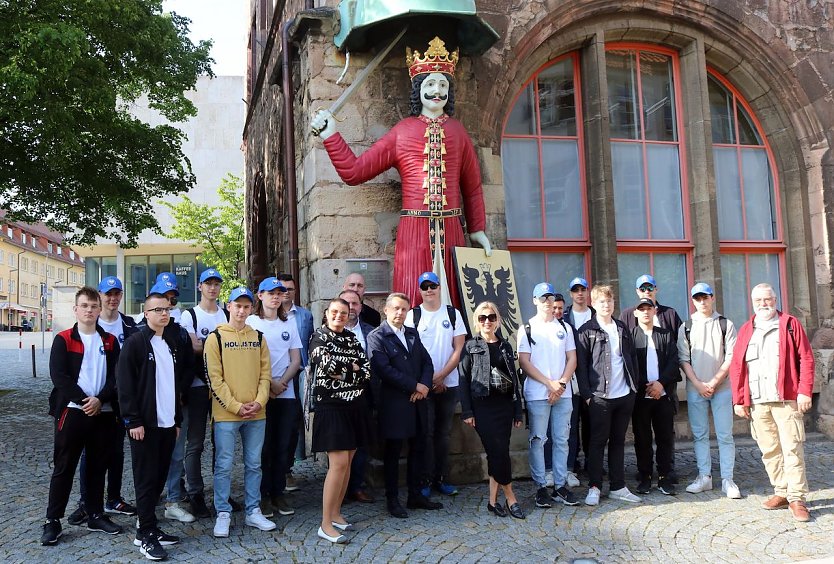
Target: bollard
(34, 373)
(20, 345)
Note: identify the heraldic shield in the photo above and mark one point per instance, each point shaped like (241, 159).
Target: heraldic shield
(488, 279)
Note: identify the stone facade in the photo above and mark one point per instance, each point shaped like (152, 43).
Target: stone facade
(778, 55)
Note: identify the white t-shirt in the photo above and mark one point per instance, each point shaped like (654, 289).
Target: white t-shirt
(549, 354)
(93, 374)
(652, 368)
(438, 335)
(115, 328)
(206, 323)
(176, 314)
(280, 337)
(165, 388)
(617, 387)
(580, 318)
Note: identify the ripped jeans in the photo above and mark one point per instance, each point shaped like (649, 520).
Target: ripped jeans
(558, 416)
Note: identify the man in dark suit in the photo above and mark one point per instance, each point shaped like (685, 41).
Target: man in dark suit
(401, 374)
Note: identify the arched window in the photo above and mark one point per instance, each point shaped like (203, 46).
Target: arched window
(544, 180)
(749, 225)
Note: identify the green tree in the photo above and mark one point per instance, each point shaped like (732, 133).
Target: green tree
(71, 154)
(217, 229)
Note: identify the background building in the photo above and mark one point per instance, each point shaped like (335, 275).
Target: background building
(213, 147)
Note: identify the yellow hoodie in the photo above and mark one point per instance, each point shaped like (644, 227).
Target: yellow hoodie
(241, 374)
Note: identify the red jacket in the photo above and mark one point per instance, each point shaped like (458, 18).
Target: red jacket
(796, 361)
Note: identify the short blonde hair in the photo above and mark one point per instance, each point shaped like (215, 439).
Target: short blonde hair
(479, 310)
(601, 291)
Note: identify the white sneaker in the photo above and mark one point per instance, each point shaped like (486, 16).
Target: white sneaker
(573, 481)
(221, 525)
(256, 519)
(623, 494)
(593, 496)
(701, 484)
(730, 488)
(177, 513)
(548, 479)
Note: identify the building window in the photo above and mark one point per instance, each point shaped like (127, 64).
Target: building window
(24, 290)
(11, 287)
(23, 237)
(34, 241)
(10, 233)
(72, 255)
(60, 250)
(11, 259)
(24, 263)
(61, 273)
(74, 277)
(1, 285)
(49, 247)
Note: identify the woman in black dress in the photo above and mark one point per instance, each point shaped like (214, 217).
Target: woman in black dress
(341, 375)
(490, 399)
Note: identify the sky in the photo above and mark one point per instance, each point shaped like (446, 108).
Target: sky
(225, 22)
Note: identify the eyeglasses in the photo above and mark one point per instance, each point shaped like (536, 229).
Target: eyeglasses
(429, 286)
(160, 310)
(648, 288)
(492, 318)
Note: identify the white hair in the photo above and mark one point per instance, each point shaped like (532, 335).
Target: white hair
(763, 286)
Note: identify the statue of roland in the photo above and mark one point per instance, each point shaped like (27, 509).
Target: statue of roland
(441, 179)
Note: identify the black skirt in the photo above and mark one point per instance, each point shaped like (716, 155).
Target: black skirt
(341, 427)
(494, 424)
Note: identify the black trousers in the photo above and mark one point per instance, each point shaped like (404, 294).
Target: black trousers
(151, 459)
(440, 411)
(415, 463)
(658, 416)
(580, 433)
(609, 423)
(115, 466)
(280, 430)
(74, 433)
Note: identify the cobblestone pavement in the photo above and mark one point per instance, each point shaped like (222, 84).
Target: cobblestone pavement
(684, 528)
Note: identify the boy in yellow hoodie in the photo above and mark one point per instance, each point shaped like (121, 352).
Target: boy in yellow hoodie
(239, 372)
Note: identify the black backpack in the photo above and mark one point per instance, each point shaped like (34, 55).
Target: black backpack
(417, 312)
(527, 330)
(722, 322)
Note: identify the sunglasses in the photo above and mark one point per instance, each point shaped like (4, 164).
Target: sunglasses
(492, 318)
(648, 288)
(551, 298)
(429, 286)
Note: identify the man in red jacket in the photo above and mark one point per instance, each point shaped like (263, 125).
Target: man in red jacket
(772, 376)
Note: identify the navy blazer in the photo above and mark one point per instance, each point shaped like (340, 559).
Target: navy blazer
(304, 322)
(395, 373)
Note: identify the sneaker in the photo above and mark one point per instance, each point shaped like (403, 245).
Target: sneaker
(425, 492)
(199, 509)
(665, 485)
(593, 496)
(573, 480)
(548, 479)
(292, 485)
(564, 495)
(120, 507)
(644, 487)
(542, 498)
(623, 494)
(102, 523)
(730, 488)
(445, 489)
(280, 504)
(51, 532)
(152, 549)
(701, 484)
(257, 520)
(221, 525)
(175, 512)
(162, 538)
(79, 516)
(266, 507)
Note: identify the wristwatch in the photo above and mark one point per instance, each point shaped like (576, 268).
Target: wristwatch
(564, 386)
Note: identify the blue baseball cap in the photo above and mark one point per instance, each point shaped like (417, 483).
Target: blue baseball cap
(210, 273)
(110, 283)
(271, 283)
(578, 282)
(161, 288)
(428, 277)
(645, 279)
(543, 289)
(701, 288)
(241, 292)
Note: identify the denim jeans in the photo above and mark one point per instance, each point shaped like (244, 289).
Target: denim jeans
(252, 439)
(557, 416)
(698, 408)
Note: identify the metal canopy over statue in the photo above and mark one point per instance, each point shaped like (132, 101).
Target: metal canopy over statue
(436, 160)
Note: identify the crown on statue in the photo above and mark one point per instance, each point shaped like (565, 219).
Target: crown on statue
(435, 59)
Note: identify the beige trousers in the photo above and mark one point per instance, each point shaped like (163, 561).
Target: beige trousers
(779, 430)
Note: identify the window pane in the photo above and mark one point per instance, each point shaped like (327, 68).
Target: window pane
(108, 267)
(136, 284)
(736, 289)
(764, 269)
(184, 269)
(721, 113)
(759, 203)
(658, 97)
(746, 132)
(91, 270)
(622, 94)
(665, 191)
(529, 271)
(629, 194)
(522, 188)
(562, 193)
(630, 267)
(522, 120)
(728, 193)
(669, 271)
(156, 265)
(557, 105)
(562, 268)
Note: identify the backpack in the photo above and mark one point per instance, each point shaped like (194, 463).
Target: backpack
(528, 331)
(418, 311)
(722, 322)
(216, 333)
(194, 316)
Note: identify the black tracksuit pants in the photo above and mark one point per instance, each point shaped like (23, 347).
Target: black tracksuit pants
(151, 459)
(609, 423)
(658, 416)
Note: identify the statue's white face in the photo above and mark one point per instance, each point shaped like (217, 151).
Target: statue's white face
(434, 93)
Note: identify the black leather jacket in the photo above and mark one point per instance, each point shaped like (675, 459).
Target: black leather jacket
(474, 369)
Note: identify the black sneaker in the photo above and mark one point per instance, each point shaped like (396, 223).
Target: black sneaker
(103, 524)
(79, 516)
(542, 498)
(119, 507)
(419, 501)
(644, 487)
(160, 537)
(564, 495)
(665, 486)
(199, 509)
(152, 549)
(51, 532)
